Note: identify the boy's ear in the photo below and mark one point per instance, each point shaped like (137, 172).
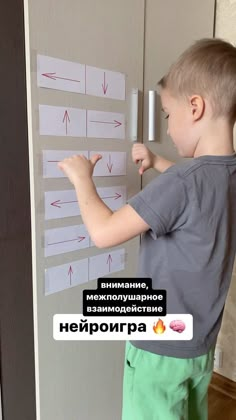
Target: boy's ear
(197, 106)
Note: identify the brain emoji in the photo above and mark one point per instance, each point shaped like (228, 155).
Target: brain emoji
(178, 326)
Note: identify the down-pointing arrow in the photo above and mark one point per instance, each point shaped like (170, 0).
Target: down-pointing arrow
(109, 165)
(104, 86)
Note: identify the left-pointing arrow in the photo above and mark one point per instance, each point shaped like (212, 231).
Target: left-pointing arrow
(56, 203)
(54, 77)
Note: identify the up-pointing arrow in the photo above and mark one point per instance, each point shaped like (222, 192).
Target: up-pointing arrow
(109, 260)
(66, 118)
(70, 272)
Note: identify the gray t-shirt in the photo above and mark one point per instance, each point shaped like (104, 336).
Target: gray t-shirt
(189, 249)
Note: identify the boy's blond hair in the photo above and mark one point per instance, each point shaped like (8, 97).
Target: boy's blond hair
(207, 68)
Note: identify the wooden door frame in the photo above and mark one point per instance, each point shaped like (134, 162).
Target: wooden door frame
(16, 301)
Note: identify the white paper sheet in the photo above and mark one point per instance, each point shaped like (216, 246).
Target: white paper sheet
(105, 83)
(59, 204)
(111, 164)
(114, 197)
(65, 276)
(65, 239)
(104, 264)
(62, 121)
(54, 73)
(51, 159)
(108, 125)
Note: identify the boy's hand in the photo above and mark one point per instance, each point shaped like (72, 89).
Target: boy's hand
(141, 152)
(78, 166)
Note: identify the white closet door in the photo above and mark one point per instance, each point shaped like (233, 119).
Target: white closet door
(170, 27)
(78, 380)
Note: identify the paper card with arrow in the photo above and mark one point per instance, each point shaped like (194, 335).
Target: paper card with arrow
(113, 197)
(62, 121)
(105, 83)
(103, 264)
(108, 125)
(59, 204)
(65, 239)
(51, 159)
(111, 164)
(54, 73)
(65, 276)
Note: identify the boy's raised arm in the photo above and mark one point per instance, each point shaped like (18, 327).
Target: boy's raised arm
(106, 228)
(149, 160)
(161, 164)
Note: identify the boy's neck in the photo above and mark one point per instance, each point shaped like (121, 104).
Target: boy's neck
(217, 140)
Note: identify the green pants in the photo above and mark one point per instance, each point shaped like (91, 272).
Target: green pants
(165, 388)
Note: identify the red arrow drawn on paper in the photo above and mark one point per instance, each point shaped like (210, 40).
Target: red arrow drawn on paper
(109, 260)
(54, 77)
(104, 86)
(115, 122)
(114, 196)
(59, 203)
(66, 118)
(109, 165)
(79, 239)
(70, 272)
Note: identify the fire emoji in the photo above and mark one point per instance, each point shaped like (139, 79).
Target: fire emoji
(159, 328)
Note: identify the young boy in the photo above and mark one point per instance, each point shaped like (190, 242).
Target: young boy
(187, 216)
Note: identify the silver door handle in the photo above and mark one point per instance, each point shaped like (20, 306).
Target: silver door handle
(151, 115)
(134, 115)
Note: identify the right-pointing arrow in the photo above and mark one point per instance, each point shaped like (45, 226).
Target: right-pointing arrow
(114, 122)
(79, 239)
(117, 195)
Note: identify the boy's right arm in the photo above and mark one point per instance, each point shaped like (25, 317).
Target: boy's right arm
(141, 153)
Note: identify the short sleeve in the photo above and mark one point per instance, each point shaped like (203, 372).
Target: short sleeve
(162, 204)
